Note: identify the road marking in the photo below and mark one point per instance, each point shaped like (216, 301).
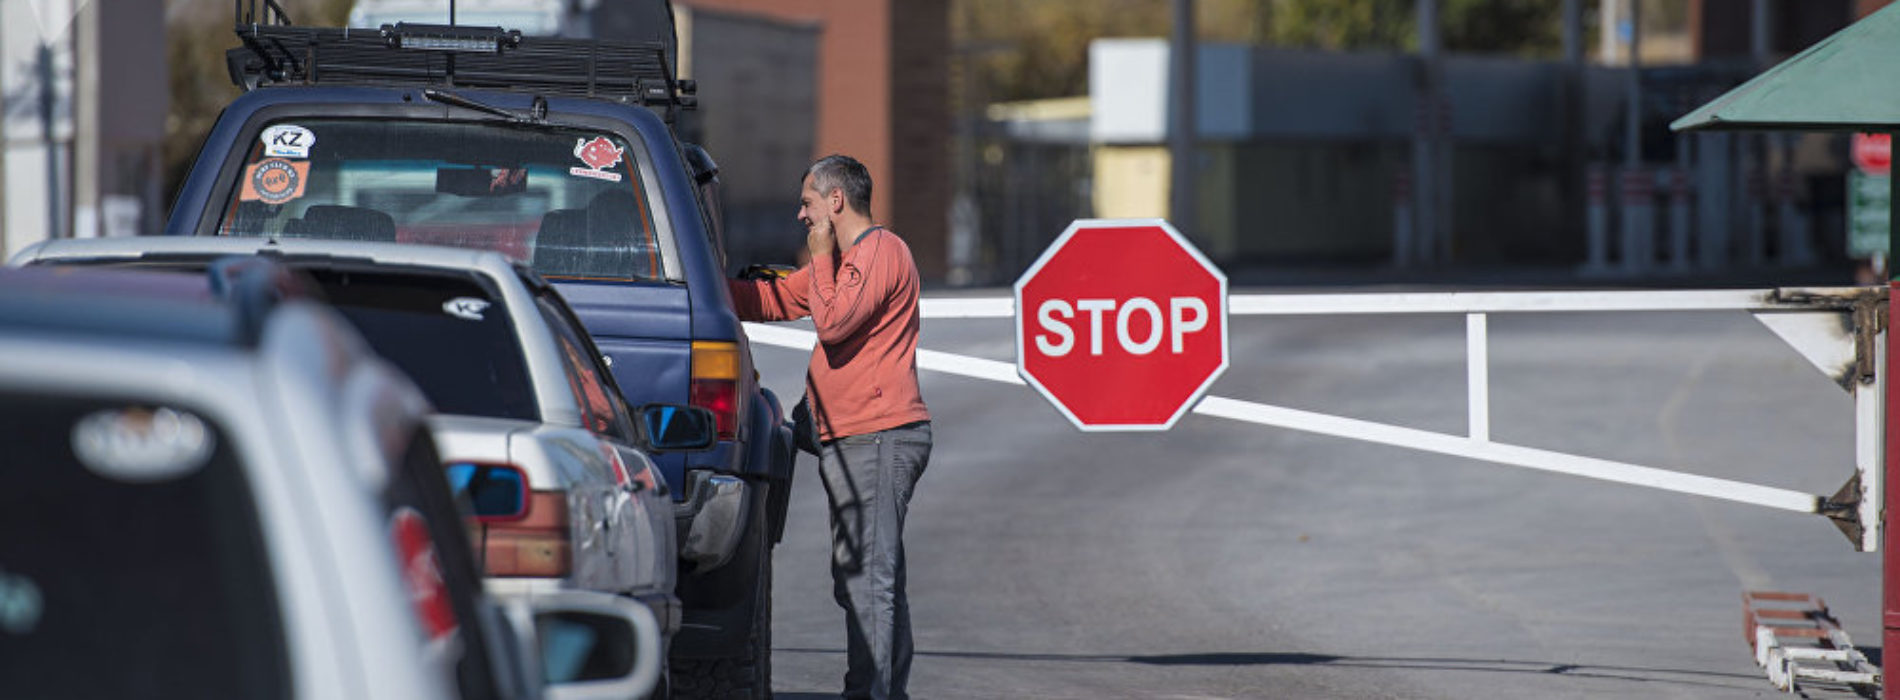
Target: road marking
(948, 363)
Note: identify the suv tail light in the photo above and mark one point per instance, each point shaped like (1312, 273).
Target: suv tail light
(716, 384)
(537, 544)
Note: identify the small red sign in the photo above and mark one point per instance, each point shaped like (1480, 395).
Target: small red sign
(1873, 153)
(599, 155)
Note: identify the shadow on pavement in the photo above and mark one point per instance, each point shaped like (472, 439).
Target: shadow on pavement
(1625, 673)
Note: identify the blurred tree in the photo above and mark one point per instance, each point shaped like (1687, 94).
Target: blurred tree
(1039, 48)
(1340, 25)
(1528, 28)
(197, 33)
(1532, 28)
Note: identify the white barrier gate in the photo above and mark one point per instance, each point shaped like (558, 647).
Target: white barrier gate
(1839, 330)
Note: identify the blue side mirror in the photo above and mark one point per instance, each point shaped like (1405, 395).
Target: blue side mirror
(495, 492)
(675, 428)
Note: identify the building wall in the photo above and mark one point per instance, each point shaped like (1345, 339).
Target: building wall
(122, 106)
(35, 170)
(757, 116)
(1131, 182)
(919, 111)
(882, 98)
(99, 174)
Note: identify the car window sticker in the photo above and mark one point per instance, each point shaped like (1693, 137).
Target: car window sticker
(274, 181)
(599, 154)
(288, 141)
(465, 308)
(142, 445)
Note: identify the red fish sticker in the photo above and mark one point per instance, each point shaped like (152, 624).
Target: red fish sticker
(599, 154)
(274, 181)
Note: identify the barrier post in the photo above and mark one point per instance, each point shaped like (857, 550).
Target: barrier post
(1679, 204)
(1597, 219)
(1402, 219)
(1755, 208)
(1639, 216)
(1791, 224)
(1890, 480)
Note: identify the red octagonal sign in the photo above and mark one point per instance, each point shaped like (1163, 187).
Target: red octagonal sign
(1122, 324)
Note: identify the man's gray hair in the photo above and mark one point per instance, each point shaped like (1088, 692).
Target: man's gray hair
(836, 171)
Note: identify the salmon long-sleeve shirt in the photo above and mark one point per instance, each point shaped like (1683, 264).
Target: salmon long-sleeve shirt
(863, 374)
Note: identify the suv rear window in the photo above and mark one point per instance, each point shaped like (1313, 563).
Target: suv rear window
(132, 563)
(568, 202)
(450, 334)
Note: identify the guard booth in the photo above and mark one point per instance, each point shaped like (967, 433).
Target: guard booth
(1845, 83)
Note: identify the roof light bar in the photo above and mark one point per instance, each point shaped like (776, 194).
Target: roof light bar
(453, 39)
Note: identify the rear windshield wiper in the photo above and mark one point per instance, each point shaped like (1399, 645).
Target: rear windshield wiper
(538, 114)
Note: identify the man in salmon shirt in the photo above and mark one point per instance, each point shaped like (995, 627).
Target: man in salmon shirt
(860, 290)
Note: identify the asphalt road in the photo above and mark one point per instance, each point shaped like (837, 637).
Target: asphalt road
(1225, 560)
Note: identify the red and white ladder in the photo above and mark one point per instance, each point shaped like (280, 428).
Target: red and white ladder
(1800, 644)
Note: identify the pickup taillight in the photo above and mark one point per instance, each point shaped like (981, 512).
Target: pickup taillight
(538, 544)
(716, 384)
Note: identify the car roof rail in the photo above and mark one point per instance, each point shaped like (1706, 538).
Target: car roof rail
(228, 303)
(275, 52)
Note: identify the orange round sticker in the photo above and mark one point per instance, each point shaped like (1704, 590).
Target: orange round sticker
(274, 181)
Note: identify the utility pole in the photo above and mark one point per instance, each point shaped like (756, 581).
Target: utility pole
(1633, 118)
(48, 97)
(1181, 170)
(1574, 158)
(1425, 147)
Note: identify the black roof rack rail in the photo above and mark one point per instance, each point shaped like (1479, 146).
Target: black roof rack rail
(453, 56)
(260, 12)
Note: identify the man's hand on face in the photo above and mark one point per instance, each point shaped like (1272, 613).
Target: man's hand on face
(820, 240)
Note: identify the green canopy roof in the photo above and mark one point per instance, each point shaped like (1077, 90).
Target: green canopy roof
(1848, 82)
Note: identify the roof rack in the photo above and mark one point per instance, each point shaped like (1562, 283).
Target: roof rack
(276, 53)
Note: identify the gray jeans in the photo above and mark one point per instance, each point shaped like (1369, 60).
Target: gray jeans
(869, 479)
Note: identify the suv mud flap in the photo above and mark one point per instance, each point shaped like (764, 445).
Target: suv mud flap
(770, 454)
(719, 603)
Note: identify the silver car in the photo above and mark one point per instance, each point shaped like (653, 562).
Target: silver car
(518, 386)
(213, 489)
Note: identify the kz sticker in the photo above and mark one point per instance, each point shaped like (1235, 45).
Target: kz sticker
(288, 141)
(274, 181)
(466, 308)
(599, 155)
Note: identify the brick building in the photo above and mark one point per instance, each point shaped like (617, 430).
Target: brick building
(882, 88)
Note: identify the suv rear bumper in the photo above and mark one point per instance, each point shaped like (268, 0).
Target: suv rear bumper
(711, 518)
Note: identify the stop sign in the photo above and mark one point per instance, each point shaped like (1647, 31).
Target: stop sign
(1873, 153)
(1122, 324)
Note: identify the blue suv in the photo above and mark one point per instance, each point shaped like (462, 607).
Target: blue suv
(559, 153)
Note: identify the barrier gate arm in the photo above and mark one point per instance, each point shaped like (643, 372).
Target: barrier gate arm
(1841, 331)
